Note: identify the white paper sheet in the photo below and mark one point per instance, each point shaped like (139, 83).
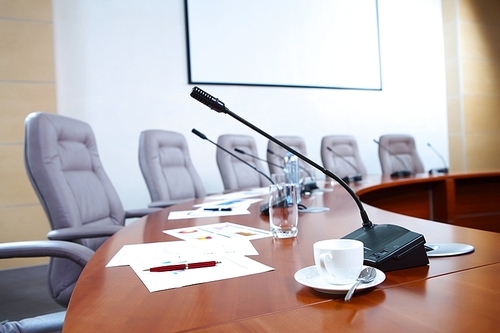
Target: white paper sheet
(240, 194)
(218, 231)
(229, 267)
(225, 203)
(161, 253)
(201, 212)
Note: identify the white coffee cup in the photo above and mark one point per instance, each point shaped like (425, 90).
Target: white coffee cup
(339, 261)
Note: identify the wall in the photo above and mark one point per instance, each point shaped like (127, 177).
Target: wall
(26, 85)
(472, 49)
(121, 66)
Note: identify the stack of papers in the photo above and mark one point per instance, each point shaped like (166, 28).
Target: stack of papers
(229, 247)
(215, 208)
(221, 230)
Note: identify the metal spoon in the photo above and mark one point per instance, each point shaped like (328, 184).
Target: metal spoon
(367, 275)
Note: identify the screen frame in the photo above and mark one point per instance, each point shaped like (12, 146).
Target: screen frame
(190, 66)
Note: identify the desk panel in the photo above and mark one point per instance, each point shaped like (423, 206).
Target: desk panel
(470, 200)
(466, 301)
(115, 300)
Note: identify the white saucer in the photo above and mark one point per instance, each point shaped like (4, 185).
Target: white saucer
(310, 277)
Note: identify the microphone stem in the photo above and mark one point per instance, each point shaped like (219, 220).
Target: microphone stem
(344, 159)
(260, 159)
(439, 155)
(300, 167)
(241, 160)
(393, 154)
(364, 216)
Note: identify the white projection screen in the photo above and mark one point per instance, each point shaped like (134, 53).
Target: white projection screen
(290, 43)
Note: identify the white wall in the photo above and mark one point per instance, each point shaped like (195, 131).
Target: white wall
(121, 67)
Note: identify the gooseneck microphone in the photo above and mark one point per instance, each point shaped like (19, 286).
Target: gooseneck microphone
(217, 105)
(445, 167)
(398, 173)
(349, 178)
(307, 187)
(201, 135)
(264, 208)
(273, 153)
(238, 150)
(283, 157)
(387, 246)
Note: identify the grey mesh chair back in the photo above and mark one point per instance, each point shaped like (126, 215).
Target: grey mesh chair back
(64, 168)
(403, 154)
(235, 174)
(276, 154)
(167, 168)
(344, 159)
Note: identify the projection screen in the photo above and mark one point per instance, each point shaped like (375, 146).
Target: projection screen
(290, 43)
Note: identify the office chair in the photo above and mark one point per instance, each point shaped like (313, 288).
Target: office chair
(276, 155)
(340, 154)
(398, 152)
(80, 202)
(77, 254)
(235, 174)
(167, 168)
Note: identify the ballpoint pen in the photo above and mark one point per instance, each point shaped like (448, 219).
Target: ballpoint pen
(219, 209)
(181, 267)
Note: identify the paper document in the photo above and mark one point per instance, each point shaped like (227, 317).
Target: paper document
(226, 207)
(202, 212)
(166, 252)
(225, 203)
(229, 267)
(218, 231)
(241, 194)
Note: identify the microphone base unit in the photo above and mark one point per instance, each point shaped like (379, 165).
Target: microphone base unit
(387, 247)
(309, 185)
(353, 179)
(390, 247)
(438, 171)
(401, 174)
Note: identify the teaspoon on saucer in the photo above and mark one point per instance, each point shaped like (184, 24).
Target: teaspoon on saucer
(367, 275)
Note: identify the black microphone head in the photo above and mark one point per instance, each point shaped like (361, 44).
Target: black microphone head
(201, 135)
(207, 99)
(238, 150)
(376, 141)
(329, 149)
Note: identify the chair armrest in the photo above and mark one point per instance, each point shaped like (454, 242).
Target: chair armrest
(140, 212)
(52, 322)
(45, 248)
(71, 234)
(163, 204)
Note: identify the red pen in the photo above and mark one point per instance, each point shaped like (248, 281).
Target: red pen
(181, 267)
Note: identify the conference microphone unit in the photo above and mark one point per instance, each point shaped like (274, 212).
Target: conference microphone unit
(399, 173)
(309, 185)
(444, 169)
(386, 246)
(203, 136)
(238, 150)
(349, 178)
(264, 208)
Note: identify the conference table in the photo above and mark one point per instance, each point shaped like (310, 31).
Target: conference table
(455, 293)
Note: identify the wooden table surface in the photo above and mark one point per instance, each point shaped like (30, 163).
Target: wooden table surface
(449, 292)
